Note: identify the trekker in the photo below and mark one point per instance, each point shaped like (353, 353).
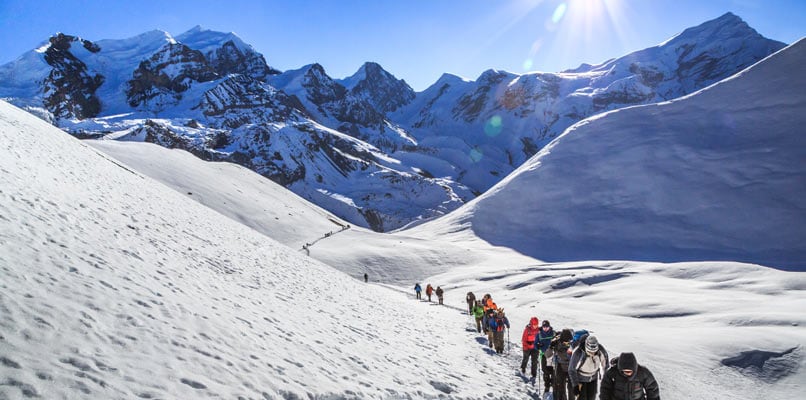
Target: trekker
(561, 345)
(489, 315)
(428, 290)
(546, 354)
(471, 301)
(439, 293)
(418, 290)
(629, 380)
(478, 313)
(366, 277)
(498, 324)
(530, 351)
(587, 362)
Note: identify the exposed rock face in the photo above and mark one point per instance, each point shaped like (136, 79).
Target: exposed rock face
(229, 59)
(159, 81)
(70, 88)
(381, 89)
(240, 100)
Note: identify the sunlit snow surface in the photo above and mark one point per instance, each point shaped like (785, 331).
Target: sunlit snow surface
(151, 274)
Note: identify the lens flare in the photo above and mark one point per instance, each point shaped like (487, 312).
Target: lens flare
(493, 126)
(476, 155)
(559, 12)
(527, 65)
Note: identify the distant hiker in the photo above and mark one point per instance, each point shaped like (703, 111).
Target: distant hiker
(489, 315)
(530, 351)
(439, 293)
(546, 354)
(628, 380)
(366, 277)
(498, 324)
(484, 299)
(428, 290)
(471, 301)
(561, 346)
(478, 314)
(418, 290)
(588, 362)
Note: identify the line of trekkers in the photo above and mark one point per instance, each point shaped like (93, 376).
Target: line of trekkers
(429, 290)
(572, 362)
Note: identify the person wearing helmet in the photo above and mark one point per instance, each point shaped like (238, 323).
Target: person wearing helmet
(530, 351)
(629, 380)
(587, 363)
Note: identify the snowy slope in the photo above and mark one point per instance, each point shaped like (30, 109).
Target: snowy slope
(248, 198)
(115, 286)
(683, 321)
(717, 175)
(232, 190)
(136, 290)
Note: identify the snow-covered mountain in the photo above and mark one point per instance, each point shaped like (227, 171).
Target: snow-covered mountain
(716, 175)
(116, 286)
(489, 127)
(367, 148)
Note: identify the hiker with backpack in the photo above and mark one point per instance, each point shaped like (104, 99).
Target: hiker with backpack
(561, 345)
(489, 315)
(530, 350)
(478, 314)
(626, 379)
(588, 361)
(428, 291)
(498, 324)
(470, 298)
(439, 293)
(418, 289)
(544, 338)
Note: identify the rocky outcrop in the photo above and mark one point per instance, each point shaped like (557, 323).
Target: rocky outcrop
(229, 59)
(159, 81)
(70, 89)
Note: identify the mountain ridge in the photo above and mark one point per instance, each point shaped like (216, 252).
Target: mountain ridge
(458, 137)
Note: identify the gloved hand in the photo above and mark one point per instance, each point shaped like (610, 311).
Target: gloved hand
(577, 390)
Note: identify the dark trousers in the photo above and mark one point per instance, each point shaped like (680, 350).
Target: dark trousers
(429, 297)
(478, 325)
(530, 355)
(498, 340)
(562, 385)
(419, 295)
(548, 372)
(588, 391)
(440, 299)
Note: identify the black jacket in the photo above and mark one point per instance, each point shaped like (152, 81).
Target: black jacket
(640, 386)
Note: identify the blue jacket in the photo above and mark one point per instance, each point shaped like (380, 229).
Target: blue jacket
(495, 326)
(417, 288)
(544, 339)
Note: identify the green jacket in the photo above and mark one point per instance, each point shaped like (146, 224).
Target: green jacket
(478, 312)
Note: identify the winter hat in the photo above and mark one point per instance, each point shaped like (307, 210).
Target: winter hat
(627, 361)
(546, 322)
(591, 344)
(566, 335)
(534, 321)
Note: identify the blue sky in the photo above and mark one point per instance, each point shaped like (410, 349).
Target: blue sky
(416, 40)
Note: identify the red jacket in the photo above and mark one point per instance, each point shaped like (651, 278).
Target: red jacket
(530, 334)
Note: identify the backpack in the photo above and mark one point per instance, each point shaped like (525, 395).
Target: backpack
(579, 337)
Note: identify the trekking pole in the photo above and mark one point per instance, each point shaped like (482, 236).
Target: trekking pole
(509, 344)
